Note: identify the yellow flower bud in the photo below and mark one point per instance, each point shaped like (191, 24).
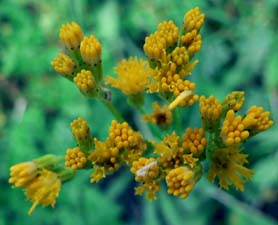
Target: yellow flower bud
(233, 130)
(90, 50)
(71, 35)
(23, 173)
(256, 120)
(194, 140)
(81, 133)
(180, 181)
(211, 111)
(85, 82)
(64, 65)
(234, 100)
(193, 19)
(75, 158)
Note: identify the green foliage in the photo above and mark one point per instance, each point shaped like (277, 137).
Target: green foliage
(36, 106)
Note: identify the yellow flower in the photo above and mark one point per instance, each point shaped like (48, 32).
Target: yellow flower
(151, 188)
(171, 154)
(43, 190)
(227, 165)
(192, 41)
(81, 133)
(180, 181)
(168, 146)
(154, 46)
(193, 19)
(133, 75)
(23, 173)
(179, 56)
(71, 35)
(105, 159)
(64, 65)
(85, 82)
(166, 36)
(211, 110)
(233, 130)
(161, 116)
(129, 142)
(75, 158)
(190, 160)
(169, 31)
(256, 120)
(90, 50)
(121, 134)
(98, 174)
(194, 140)
(234, 100)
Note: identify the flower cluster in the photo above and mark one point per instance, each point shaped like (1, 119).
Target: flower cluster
(167, 154)
(40, 180)
(170, 57)
(227, 134)
(122, 146)
(81, 61)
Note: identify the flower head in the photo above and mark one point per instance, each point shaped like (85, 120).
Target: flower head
(43, 190)
(256, 120)
(165, 37)
(71, 35)
(161, 116)
(227, 165)
(233, 130)
(211, 110)
(23, 173)
(75, 158)
(193, 19)
(180, 181)
(194, 140)
(81, 133)
(105, 159)
(90, 50)
(234, 100)
(85, 82)
(133, 75)
(179, 56)
(64, 65)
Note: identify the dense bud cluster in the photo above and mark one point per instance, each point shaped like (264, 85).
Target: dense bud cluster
(180, 181)
(233, 130)
(71, 35)
(75, 158)
(234, 100)
(194, 140)
(90, 50)
(64, 65)
(85, 82)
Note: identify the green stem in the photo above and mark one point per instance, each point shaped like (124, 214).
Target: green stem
(211, 145)
(66, 174)
(112, 109)
(49, 160)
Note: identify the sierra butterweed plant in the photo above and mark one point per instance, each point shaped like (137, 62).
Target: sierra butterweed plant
(177, 158)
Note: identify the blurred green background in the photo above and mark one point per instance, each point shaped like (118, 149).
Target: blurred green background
(239, 52)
